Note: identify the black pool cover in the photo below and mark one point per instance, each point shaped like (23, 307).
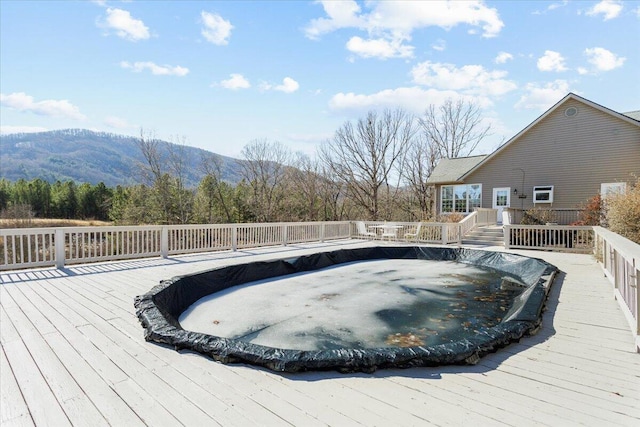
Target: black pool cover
(527, 281)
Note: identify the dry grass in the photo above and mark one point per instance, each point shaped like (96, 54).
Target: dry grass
(41, 223)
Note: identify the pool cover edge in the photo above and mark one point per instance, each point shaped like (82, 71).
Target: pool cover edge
(159, 309)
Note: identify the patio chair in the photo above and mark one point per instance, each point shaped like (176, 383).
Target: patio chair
(414, 234)
(362, 230)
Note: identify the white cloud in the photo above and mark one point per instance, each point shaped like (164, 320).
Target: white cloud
(288, 85)
(552, 6)
(236, 81)
(158, 70)
(342, 14)
(609, 9)
(551, 61)
(6, 130)
(118, 123)
(405, 16)
(414, 99)
(440, 45)
(125, 26)
(542, 96)
(215, 29)
(22, 102)
(603, 59)
(379, 48)
(468, 79)
(503, 57)
(389, 24)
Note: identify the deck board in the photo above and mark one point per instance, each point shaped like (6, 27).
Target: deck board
(73, 353)
(13, 408)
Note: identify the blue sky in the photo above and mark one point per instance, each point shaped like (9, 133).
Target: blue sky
(219, 74)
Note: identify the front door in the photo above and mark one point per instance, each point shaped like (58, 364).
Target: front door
(501, 200)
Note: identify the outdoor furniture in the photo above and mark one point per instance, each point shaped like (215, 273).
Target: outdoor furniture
(414, 234)
(362, 230)
(389, 231)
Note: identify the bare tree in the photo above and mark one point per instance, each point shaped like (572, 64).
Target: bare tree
(155, 174)
(211, 164)
(264, 169)
(179, 160)
(306, 180)
(165, 171)
(455, 128)
(418, 164)
(362, 157)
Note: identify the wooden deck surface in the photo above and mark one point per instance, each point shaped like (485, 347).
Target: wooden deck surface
(73, 353)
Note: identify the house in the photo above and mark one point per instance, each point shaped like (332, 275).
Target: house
(572, 152)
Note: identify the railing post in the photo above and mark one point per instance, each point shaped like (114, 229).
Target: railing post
(284, 235)
(59, 248)
(636, 276)
(164, 242)
(322, 225)
(444, 234)
(234, 238)
(459, 234)
(506, 236)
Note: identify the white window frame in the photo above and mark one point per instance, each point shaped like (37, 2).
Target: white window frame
(540, 190)
(609, 188)
(469, 208)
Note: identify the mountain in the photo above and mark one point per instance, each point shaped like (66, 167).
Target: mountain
(85, 156)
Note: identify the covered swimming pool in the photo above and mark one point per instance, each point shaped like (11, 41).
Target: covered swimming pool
(352, 310)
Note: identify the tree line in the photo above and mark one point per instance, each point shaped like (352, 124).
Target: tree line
(374, 168)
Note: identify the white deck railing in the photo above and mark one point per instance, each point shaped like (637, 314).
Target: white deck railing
(549, 237)
(486, 216)
(620, 260)
(430, 232)
(469, 223)
(60, 246)
(42, 247)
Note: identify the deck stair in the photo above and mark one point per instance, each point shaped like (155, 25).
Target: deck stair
(491, 235)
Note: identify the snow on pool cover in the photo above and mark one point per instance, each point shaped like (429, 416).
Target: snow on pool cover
(352, 310)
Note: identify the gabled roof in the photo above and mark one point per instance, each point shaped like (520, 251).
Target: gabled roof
(451, 170)
(629, 118)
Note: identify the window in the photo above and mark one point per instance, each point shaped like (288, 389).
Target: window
(447, 198)
(460, 198)
(611, 188)
(543, 194)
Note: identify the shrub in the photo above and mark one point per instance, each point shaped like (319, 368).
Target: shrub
(592, 212)
(537, 216)
(623, 213)
(452, 217)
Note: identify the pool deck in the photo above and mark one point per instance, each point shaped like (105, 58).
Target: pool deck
(73, 353)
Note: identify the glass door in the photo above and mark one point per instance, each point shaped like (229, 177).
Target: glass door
(501, 200)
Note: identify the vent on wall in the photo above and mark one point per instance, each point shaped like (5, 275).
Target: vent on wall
(571, 111)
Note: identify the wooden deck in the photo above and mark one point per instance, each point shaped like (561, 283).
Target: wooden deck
(73, 353)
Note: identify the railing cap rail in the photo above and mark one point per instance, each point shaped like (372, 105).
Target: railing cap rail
(24, 230)
(627, 248)
(548, 227)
